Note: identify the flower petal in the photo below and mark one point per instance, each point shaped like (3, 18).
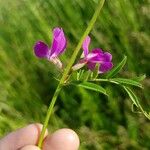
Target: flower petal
(59, 42)
(91, 65)
(85, 45)
(106, 66)
(107, 56)
(98, 51)
(91, 56)
(97, 54)
(40, 49)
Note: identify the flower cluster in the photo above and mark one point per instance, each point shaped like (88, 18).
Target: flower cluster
(96, 56)
(58, 46)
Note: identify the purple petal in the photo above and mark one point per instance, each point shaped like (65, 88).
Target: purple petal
(91, 65)
(107, 56)
(85, 45)
(106, 66)
(98, 51)
(98, 56)
(40, 49)
(59, 42)
(91, 56)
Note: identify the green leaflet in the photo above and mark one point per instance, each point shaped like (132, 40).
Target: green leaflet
(132, 96)
(126, 81)
(121, 81)
(135, 101)
(92, 87)
(117, 69)
(140, 78)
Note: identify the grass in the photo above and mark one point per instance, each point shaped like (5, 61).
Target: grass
(27, 84)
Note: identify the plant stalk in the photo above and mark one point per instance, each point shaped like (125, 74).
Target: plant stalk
(68, 68)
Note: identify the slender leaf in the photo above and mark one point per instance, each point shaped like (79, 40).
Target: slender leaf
(135, 101)
(92, 86)
(127, 81)
(117, 69)
(135, 109)
(80, 74)
(140, 78)
(132, 96)
(86, 75)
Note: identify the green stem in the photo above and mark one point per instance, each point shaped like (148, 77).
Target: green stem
(67, 70)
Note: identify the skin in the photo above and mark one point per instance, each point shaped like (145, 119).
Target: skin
(26, 139)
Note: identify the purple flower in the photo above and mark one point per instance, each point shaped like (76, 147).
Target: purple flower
(58, 46)
(96, 56)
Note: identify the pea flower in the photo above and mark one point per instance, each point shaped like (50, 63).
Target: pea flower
(58, 46)
(96, 56)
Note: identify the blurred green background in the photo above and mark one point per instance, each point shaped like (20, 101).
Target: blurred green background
(27, 85)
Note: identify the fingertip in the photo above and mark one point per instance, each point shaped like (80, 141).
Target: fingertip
(64, 139)
(30, 147)
(28, 135)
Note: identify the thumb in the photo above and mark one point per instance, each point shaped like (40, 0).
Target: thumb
(30, 147)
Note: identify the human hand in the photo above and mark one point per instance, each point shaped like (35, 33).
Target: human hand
(26, 138)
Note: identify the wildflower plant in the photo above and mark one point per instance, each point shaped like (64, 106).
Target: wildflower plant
(87, 71)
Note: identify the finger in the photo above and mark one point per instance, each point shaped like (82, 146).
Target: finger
(63, 139)
(22, 137)
(30, 147)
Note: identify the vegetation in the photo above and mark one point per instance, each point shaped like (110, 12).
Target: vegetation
(27, 84)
